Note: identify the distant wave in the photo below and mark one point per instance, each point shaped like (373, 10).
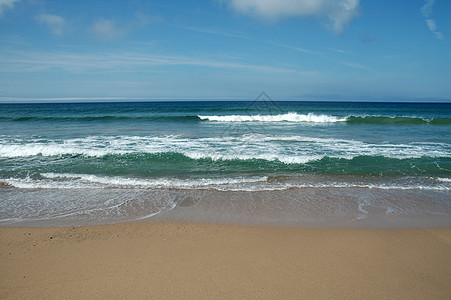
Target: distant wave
(288, 117)
(291, 117)
(385, 120)
(102, 118)
(315, 118)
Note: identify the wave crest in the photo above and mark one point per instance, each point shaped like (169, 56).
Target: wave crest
(388, 120)
(288, 117)
(323, 118)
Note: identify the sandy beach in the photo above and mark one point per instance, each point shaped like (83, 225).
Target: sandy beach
(192, 261)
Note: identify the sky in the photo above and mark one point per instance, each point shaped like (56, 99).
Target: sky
(225, 49)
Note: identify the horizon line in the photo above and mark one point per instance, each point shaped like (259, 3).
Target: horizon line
(11, 100)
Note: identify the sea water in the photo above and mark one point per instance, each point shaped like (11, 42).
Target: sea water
(251, 162)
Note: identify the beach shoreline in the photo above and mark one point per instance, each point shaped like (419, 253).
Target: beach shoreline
(306, 207)
(192, 260)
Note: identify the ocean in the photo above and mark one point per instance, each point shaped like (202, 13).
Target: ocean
(259, 162)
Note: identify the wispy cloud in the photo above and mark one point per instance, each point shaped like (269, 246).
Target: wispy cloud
(219, 32)
(355, 65)
(23, 61)
(341, 51)
(107, 30)
(426, 11)
(433, 27)
(56, 24)
(6, 4)
(112, 30)
(325, 56)
(339, 12)
(298, 49)
(240, 35)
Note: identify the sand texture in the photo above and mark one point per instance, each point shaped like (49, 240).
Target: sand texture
(190, 261)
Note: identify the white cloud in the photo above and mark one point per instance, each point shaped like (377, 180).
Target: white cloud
(55, 23)
(6, 4)
(107, 30)
(339, 12)
(426, 11)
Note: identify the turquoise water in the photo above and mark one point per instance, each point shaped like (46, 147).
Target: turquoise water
(112, 153)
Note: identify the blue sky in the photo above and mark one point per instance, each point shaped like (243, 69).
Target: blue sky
(222, 49)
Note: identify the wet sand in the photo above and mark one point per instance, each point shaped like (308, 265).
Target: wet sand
(192, 261)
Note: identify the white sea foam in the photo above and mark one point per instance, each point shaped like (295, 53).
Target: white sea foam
(74, 181)
(301, 149)
(288, 117)
(251, 183)
(287, 159)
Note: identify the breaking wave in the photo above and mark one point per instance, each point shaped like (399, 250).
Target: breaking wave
(291, 117)
(315, 118)
(385, 120)
(288, 117)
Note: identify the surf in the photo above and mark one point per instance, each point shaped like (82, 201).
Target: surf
(288, 117)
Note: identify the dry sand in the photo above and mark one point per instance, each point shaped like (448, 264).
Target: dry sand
(189, 261)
